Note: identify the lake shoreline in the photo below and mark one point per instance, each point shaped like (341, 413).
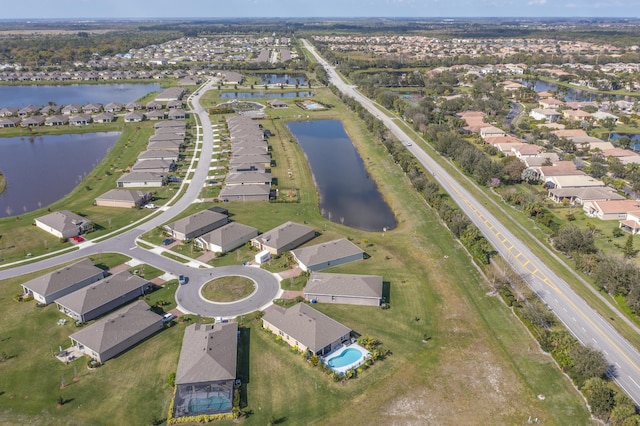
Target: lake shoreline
(3, 182)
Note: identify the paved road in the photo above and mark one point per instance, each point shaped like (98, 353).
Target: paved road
(189, 299)
(125, 242)
(579, 318)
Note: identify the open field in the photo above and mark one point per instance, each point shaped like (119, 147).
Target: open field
(479, 365)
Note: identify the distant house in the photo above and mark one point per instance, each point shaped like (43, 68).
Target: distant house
(491, 132)
(113, 107)
(248, 192)
(305, 328)
(80, 120)
(71, 109)
(283, 238)
(278, 104)
(133, 106)
(578, 181)
(206, 370)
(196, 225)
(327, 255)
(611, 209)
(174, 124)
(133, 117)
(226, 238)
(247, 178)
(154, 105)
(344, 289)
(63, 224)
(631, 223)
(177, 114)
(155, 115)
(28, 110)
(92, 108)
(159, 154)
(549, 115)
(46, 288)
(102, 297)
(104, 117)
(581, 195)
(33, 121)
(154, 166)
(117, 332)
(57, 120)
(141, 180)
(10, 122)
(125, 198)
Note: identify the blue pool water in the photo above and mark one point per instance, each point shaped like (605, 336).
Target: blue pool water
(348, 357)
(211, 404)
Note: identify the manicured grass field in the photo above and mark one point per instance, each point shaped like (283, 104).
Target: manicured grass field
(479, 365)
(228, 289)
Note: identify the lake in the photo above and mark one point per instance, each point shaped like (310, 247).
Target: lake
(41, 170)
(348, 195)
(634, 139)
(240, 95)
(574, 94)
(82, 94)
(270, 78)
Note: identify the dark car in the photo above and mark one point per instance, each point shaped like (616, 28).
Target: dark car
(167, 241)
(182, 279)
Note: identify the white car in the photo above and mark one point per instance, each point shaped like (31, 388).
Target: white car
(408, 143)
(168, 317)
(150, 206)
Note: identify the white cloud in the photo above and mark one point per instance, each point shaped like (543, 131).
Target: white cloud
(537, 2)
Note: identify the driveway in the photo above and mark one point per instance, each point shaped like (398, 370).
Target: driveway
(189, 300)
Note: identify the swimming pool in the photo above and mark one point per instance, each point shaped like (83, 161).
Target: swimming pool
(212, 404)
(346, 358)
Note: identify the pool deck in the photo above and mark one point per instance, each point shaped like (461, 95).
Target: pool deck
(338, 352)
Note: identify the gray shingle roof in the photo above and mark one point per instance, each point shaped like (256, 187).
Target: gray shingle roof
(63, 278)
(195, 221)
(128, 195)
(344, 285)
(88, 298)
(63, 220)
(283, 234)
(228, 233)
(208, 353)
(117, 327)
(325, 252)
(312, 328)
(246, 190)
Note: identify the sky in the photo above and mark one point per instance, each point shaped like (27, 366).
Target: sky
(42, 9)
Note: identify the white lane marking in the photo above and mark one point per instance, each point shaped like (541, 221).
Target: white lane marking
(133, 248)
(634, 382)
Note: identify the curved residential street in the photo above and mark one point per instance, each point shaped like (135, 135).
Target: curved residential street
(198, 273)
(579, 318)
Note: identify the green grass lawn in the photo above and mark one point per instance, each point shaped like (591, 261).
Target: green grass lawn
(480, 365)
(228, 289)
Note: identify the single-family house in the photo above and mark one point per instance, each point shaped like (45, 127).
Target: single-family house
(8, 111)
(101, 297)
(141, 180)
(155, 115)
(103, 117)
(246, 192)
(306, 329)
(71, 109)
(576, 181)
(248, 178)
(327, 255)
(28, 110)
(206, 370)
(576, 115)
(165, 145)
(264, 159)
(10, 122)
(154, 105)
(581, 195)
(526, 150)
(124, 198)
(80, 120)
(133, 117)
(549, 115)
(159, 154)
(57, 120)
(154, 166)
(601, 116)
(63, 224)
(113, 107)
(173, 124)
(133, 106)
(278, 104)
(283, 238)
(177, 114)
(610, 210)
(226, 238)
(196, 224)
(631, 223)
(550, 103)
(33, 121)
(49, 287)
(92, 108)
(117, 332)
(348, 289)
(491, 132)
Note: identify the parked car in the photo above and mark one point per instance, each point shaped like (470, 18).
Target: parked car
(168, 317)
(77, 239)
(167, 241)
(150, 206)
(182, 280)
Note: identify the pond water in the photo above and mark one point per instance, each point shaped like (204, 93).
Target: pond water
(634, 139)
(270, 78)
(82, 94)
(574, 94)
(239, 95)
(43, 169)
(348, 195)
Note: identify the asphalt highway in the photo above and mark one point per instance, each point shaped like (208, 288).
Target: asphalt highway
(580, 319)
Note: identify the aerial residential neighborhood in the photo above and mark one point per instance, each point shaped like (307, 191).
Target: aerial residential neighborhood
(380, 220)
